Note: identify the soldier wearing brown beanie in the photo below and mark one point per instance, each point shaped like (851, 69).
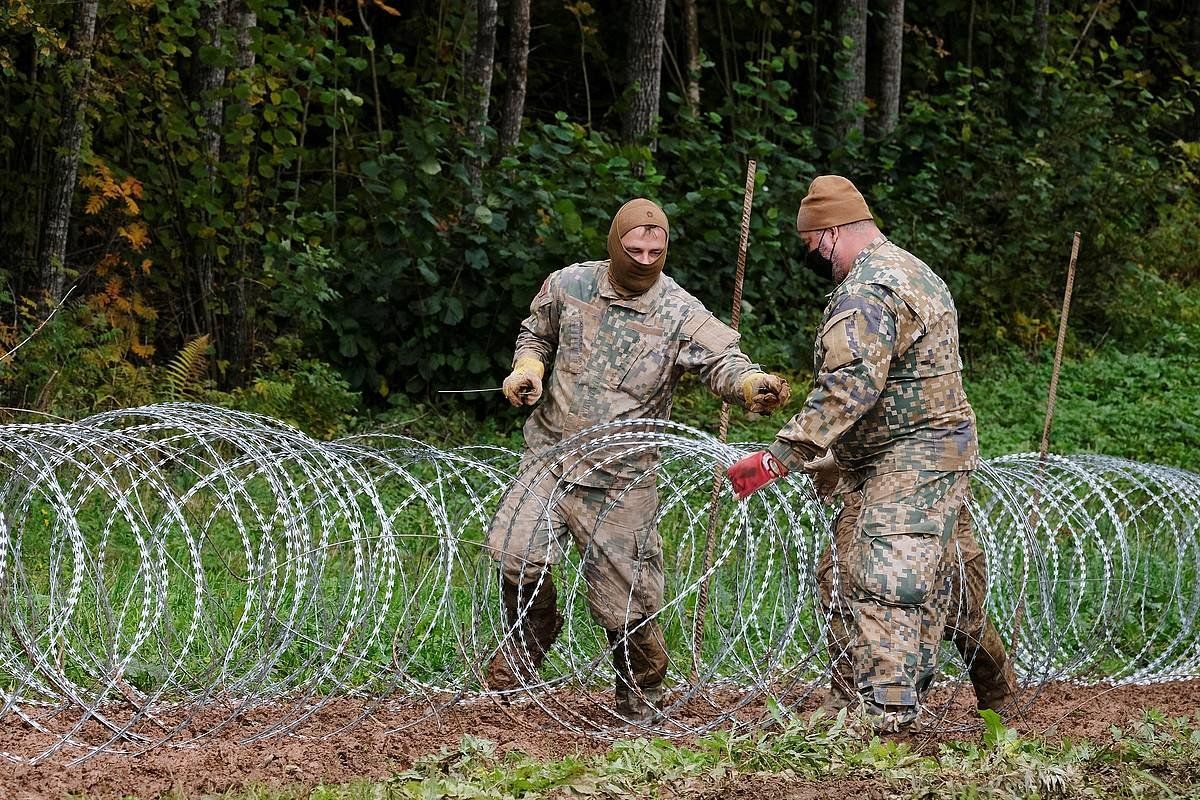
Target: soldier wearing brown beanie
(887, 426)
(620, 333)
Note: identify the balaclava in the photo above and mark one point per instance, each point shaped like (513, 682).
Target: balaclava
(626, 272)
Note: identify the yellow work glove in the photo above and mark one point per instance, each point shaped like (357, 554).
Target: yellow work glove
(523, 386)
(824, 473)
(764, 392)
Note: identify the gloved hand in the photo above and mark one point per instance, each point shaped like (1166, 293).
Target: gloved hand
(824, 473)
(753, 472)
(765, 392)
(523, 386)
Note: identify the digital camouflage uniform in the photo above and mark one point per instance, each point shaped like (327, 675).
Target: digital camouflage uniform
(614, 359)
(888, 401)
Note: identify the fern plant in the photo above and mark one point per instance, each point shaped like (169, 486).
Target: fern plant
(186, 370)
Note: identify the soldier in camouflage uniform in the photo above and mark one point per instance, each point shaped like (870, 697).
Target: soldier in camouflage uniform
(888, 420)
(620, 334)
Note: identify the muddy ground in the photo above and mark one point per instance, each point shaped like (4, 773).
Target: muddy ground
(387, 737)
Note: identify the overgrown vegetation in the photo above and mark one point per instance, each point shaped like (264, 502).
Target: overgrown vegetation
(326, 233)
(1154, 758)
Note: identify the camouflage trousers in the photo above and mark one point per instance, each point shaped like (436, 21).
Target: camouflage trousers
(613, 530)
(903, 561)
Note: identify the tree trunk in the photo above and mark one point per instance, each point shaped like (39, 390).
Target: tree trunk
(517, 68)
(209, 80)
(1192, 45)
(65, 170)
(692, 34)
(1041, 27)
(890, 69)
(479, 83)
(644, 63)
(851, 81)
(238, 341)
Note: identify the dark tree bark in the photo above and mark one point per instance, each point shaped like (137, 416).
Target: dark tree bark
(517, 69)
(479, 82)
(851, 81)
(237, 344)
(1192, 44)
(210, 77)
(65, 170)
(691, 29)
(1041, 27)
(892, 60)
(644, 66)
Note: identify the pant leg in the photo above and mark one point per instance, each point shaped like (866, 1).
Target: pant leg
(907, 519)
(616, 533)
(967, 624)
(834, 582)
(527, 533)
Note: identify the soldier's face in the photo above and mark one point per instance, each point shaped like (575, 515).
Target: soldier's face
(820, 242)
(819, 255)
(645, 243)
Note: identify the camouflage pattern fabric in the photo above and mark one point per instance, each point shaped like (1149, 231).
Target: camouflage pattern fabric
(619, 359)
(612, 528)
(952, 609)
(888, 391)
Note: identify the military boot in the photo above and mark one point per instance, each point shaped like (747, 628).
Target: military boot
(841, 668)
(990, 668)
(640, 663)
(532, 622)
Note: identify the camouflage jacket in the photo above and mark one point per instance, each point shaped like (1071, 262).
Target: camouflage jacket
(619, 359)
(888, 392)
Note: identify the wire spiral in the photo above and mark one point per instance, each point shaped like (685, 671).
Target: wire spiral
(166, 571)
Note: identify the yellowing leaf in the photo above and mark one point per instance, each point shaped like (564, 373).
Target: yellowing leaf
(137, 234)
(94, 204)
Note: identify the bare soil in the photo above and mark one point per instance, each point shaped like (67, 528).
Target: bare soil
(386, 738)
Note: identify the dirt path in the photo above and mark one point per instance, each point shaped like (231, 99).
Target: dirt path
(318, 752)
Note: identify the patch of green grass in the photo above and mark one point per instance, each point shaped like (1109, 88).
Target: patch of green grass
(1154, 758)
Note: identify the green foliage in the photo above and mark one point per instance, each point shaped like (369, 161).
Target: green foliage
(339, 212)
(185, 372)
(304, 392)
(1154, 758)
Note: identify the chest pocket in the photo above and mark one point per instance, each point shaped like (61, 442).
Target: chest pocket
(577, 326)
(650, 363)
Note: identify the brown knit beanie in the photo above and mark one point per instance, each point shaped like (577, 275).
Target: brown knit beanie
(831, 201)
(626, 271)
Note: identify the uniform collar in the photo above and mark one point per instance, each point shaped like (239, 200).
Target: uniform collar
(866, 252)
(643, 303)
(861, 258)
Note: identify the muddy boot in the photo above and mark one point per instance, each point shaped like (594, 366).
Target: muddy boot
(990, 669)
(868, 717)
(640, 663)
(841, 668)
(534, 609)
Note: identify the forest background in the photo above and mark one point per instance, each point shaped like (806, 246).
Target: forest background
(328, 210)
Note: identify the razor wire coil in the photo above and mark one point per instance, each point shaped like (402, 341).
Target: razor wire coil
(171, 570)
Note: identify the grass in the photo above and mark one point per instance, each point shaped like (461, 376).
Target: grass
(1139, 405)
(1154, 758)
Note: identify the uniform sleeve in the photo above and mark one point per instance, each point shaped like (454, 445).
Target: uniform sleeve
(711, 350)
(538, 337)
(858, 338)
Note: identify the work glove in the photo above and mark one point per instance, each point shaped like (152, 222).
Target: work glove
(824, 473)
(764, 392)
(523, 386)
(753, 472)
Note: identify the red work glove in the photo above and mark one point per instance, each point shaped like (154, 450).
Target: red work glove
(754, 472)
